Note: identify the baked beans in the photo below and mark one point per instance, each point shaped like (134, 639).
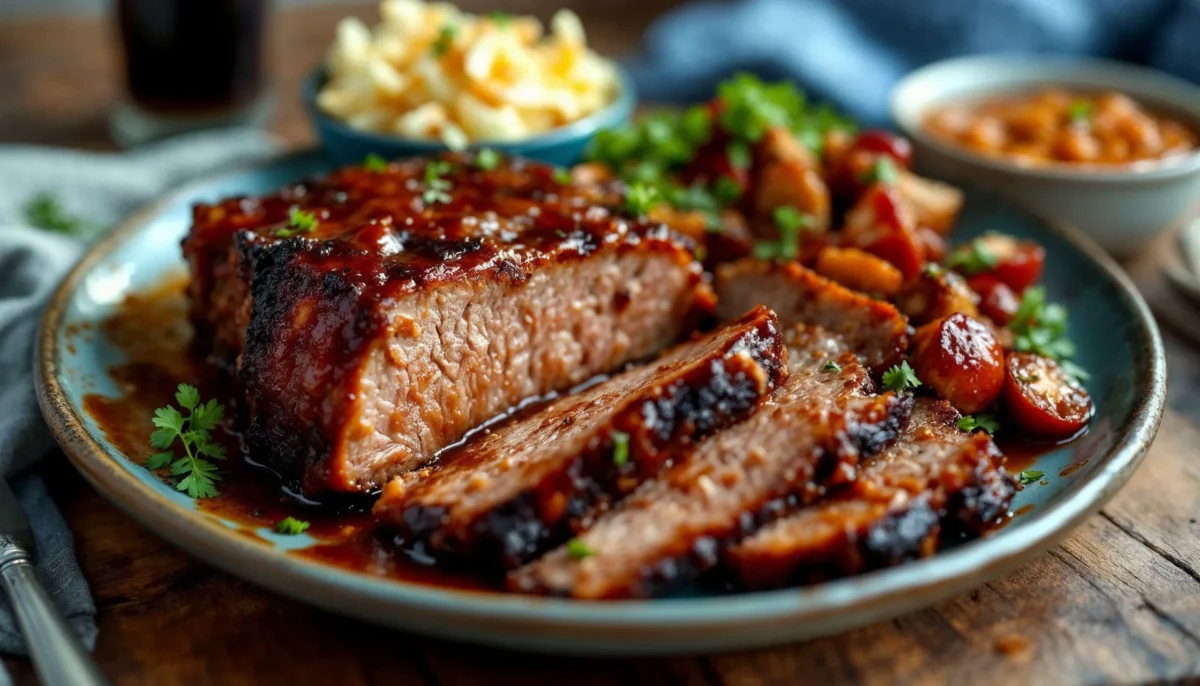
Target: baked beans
(1056, 126)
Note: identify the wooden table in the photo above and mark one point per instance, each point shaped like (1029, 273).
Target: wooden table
(1118, 602)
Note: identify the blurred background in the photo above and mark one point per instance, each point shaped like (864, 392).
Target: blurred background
(61, 63)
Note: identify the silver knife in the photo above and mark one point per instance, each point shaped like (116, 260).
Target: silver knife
(58, 657)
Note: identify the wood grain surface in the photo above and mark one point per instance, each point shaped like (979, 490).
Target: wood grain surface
(1119, 602)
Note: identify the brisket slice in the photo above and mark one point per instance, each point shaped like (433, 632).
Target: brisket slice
(368, 344)
(933, 475)
(873, 329)
(807, 436)
(522, 487)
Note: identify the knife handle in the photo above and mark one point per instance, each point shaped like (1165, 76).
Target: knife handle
(58, 657)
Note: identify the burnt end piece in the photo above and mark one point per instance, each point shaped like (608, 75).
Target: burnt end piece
(525, 486)
(384, 326)
(934, 479)
(807, 437)
(874, 330)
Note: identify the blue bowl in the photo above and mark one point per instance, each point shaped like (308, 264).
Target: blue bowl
(563, 146)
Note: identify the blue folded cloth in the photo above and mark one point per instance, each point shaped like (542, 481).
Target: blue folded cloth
(851, 52)
(99, 189)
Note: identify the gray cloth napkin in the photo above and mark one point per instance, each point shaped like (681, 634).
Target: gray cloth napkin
(100, 189)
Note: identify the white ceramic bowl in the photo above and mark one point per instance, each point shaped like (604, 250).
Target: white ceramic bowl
(1122, 209)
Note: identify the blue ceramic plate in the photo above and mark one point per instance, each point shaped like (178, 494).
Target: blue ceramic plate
(1117, 339)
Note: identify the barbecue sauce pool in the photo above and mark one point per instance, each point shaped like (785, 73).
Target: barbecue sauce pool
(251, 495)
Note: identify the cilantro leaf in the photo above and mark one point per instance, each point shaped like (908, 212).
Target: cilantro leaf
(620, 441)
(984, 422)
(1030, 476)
(726, 190)
(900, 378)
(1041, 327)
(290, 526)
(578, 550)
(46, 212)
(739, 155)
(193, 432)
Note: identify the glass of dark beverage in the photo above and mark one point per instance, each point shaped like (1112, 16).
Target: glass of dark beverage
(189, 65)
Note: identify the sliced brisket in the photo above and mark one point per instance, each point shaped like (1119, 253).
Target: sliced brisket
(520, 488)
(808, 435)
(873, 329)
(932, 476)
(411, 314)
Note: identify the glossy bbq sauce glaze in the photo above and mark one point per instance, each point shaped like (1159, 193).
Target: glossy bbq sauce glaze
(251, 495)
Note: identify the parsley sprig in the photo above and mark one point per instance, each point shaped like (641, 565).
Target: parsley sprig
(790, 222)
(46, 212)
(290, 526)
(983, 422)
(900, 378)
(640, 198)
(194, 432)
(972, 258)
(299, 221)
(1041, 327)
(1030, 476)
(435, 186)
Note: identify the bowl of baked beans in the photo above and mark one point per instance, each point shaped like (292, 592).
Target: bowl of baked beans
(1109, 148)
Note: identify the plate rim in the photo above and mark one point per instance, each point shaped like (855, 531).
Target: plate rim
(610, 627)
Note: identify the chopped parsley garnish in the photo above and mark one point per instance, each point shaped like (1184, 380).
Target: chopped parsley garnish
(578, 550)
(375, 163)
(739, 155)
(1080, 112)
(1030, 476)
(900, 378)
(933, 270)
(658, 146)
(487, 159)
(789, 221)
(194, 432)
(299, 221)
(700, 253)
(441, 44)
(883, 171)
(620, 441)
(972, 258)
(46, 212)
(641, 198)
(985, 422)
(435, 186)
(832, 366)
(290, 526)
(1041, 327)
(563, 177)
(500, 19)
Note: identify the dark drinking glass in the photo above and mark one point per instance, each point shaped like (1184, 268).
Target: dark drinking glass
(189, 64)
